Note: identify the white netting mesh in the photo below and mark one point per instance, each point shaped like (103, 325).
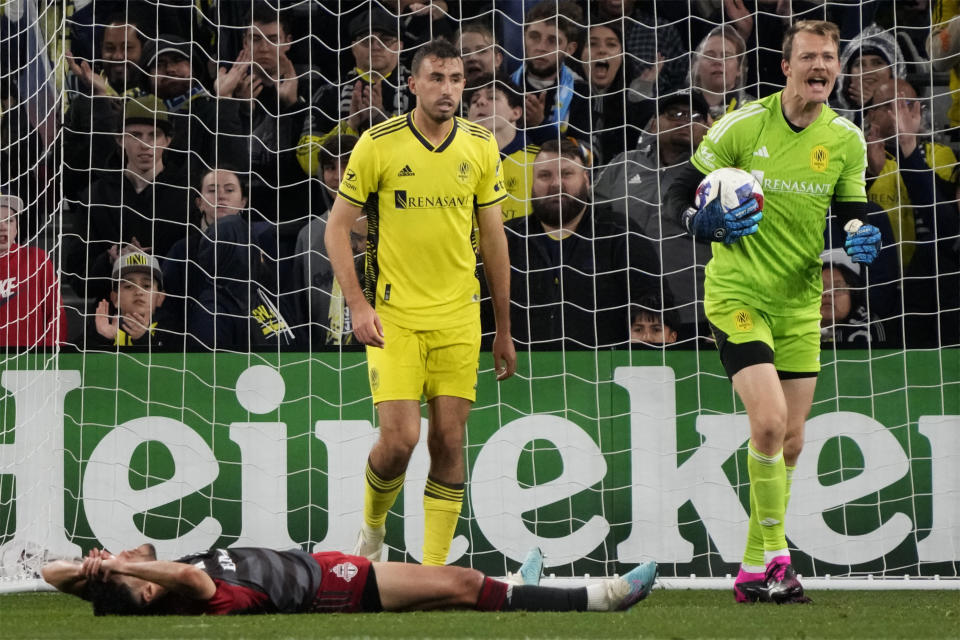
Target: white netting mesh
(200, 144)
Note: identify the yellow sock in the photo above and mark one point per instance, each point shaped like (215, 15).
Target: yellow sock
(379, 496)
(441, 510)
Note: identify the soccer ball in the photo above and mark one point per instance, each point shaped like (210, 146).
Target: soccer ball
(732, 186)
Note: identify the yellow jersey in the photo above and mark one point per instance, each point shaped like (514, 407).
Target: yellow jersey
(420, 263)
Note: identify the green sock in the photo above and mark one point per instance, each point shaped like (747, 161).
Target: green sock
(753, 553)
(786, 495)
(768, 483)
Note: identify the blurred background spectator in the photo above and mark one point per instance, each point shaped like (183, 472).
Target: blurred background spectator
(147, 205)
(845, 319)
(30, 310)
(498, 106)
(719, 71)
(635, 182)
(574, 267)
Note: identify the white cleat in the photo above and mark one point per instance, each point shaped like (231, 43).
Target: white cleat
(370, 543)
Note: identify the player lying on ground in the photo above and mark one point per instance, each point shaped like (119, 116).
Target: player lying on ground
(259, 580)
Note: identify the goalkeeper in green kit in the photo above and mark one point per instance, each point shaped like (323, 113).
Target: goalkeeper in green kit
(763, 283)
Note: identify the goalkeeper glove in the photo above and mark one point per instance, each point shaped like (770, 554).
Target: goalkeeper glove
(863, 242)
(713, 223)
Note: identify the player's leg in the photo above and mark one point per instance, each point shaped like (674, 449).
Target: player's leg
(759, 388)
(443, 493)
(451, 378)
(396, 380)
(745, 343)
(418, 587)
(798, 363)
(798, 393)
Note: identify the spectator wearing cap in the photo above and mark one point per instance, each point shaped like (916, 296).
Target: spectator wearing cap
(844, 318)
(146, 205)
(374, 90)
(131, 317)
(719, 70)
(30, 310)
(869, 60)
(574, 268)
(274, 95)
(498, 106)
(204, 127)
(634, 182)
(555, 94)
(90, 122)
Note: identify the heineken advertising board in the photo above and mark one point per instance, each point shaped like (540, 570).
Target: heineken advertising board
(597, 458)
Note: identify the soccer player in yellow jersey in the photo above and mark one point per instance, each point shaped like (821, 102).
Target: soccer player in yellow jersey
(426, 173)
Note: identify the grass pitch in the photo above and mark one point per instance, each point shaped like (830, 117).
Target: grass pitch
(666, 614)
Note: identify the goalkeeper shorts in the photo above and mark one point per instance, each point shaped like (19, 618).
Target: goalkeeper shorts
(792, 340)
(412, 363)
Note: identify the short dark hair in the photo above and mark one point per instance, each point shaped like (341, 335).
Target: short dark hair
(436, 48)
(568, 147)
(816, 27)
(244, 187)
(487, 81)
(144, 26)
(264, 13)
(568, 14)
(114, 599)
(651, 307)
(340, 146)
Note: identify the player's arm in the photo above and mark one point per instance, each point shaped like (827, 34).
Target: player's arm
(65, 575)
(181, 578)
(850, 198)
(366, 324)
(496, 266)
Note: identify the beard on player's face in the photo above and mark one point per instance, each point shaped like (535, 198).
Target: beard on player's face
(555, 209)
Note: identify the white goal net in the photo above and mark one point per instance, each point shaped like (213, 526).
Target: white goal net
(178, 364)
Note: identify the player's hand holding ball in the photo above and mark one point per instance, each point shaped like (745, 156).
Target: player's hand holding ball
(863, 242)
(729, 205)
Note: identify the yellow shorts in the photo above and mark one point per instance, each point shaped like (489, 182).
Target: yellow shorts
(413, 364)
(794, 339)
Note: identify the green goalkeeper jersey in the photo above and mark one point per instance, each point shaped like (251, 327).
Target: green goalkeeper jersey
(778, 268)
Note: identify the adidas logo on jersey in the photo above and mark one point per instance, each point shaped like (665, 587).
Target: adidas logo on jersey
(406, 172)
(762, 152)
(635, 179)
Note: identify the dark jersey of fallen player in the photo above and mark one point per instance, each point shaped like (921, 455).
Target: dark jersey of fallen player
(251, 580)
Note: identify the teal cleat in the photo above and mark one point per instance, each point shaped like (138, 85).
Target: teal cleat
(639, 581)
(532, 567)
(530, 571)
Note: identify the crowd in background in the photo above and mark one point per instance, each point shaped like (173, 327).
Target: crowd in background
(201, 145)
